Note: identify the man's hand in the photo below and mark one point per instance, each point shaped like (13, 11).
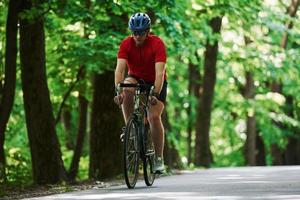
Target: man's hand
(153, 100)
(118, 99)
(153, 96)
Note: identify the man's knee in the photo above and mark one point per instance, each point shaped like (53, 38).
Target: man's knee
(128, 93)
(153, 118)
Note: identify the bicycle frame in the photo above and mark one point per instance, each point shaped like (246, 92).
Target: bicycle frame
(140, 111)
(144, 148)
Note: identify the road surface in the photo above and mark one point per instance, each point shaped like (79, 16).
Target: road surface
(282, 182)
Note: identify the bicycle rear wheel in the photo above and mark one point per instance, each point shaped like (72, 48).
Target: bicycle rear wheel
(131, 153)
(148, 160)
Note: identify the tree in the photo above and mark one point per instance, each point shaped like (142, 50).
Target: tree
(7, 98)
(250, 145)
(277, 86)
(106, 123)
(293, 141)
(106, 119)
(194, 91)
(47, 164)
(83, 110)
(82, 124)
(261, 152)
(202, 148)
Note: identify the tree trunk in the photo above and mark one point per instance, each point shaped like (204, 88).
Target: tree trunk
(298, 150)
(194, 90)
(47, 165)
(276, 152)
(292, 10)
(189, 139)
(290, 153)
(1, 84)
(202, 148)
(276, 86)
(277, 156)
(250, 144)
(66, 119)
(106, 122)
(291, 149)
(83, 109)
(82, 123)
(251, 141)
(261, 153)
(6, 101)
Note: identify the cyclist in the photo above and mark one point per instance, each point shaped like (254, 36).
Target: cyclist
(145, 56)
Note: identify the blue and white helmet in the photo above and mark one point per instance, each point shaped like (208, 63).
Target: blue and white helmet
(139, 22)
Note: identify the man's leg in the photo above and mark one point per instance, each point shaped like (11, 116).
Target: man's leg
(128, 101)
(156, 126)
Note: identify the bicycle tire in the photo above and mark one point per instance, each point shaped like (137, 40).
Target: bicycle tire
(131, 153)
(148, 160)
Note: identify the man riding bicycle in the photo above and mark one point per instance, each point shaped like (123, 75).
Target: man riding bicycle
(145, 56)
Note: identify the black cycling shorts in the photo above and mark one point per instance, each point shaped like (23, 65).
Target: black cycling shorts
(163, 93)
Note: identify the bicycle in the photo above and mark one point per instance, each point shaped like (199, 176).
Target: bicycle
(137, 138)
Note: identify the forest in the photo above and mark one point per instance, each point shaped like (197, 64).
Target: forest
(233, 98)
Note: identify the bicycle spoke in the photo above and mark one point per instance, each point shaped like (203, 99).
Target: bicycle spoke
(132, 159)
(131, 166)
(132, 144)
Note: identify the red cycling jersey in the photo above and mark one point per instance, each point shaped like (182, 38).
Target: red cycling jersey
(141, 59)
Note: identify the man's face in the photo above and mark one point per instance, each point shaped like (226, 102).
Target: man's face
(140, 36)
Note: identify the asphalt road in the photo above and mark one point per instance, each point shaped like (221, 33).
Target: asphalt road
(222, 183)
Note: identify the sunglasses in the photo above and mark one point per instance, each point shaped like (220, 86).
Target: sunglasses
(139, 33)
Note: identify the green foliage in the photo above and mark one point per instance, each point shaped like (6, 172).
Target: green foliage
(18, 168)
(84, 168)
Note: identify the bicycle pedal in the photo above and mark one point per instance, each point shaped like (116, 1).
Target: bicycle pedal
(158, 172)
(122, 137)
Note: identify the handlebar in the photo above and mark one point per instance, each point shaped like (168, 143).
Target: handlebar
(143, 88)
(134, 85)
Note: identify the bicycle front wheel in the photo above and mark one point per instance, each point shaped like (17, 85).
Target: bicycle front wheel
(148, 161)
(131, 153)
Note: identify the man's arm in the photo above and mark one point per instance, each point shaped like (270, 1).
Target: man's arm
(120, 71)
(159, 76)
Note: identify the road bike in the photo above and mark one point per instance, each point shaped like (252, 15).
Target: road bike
(137, 138)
